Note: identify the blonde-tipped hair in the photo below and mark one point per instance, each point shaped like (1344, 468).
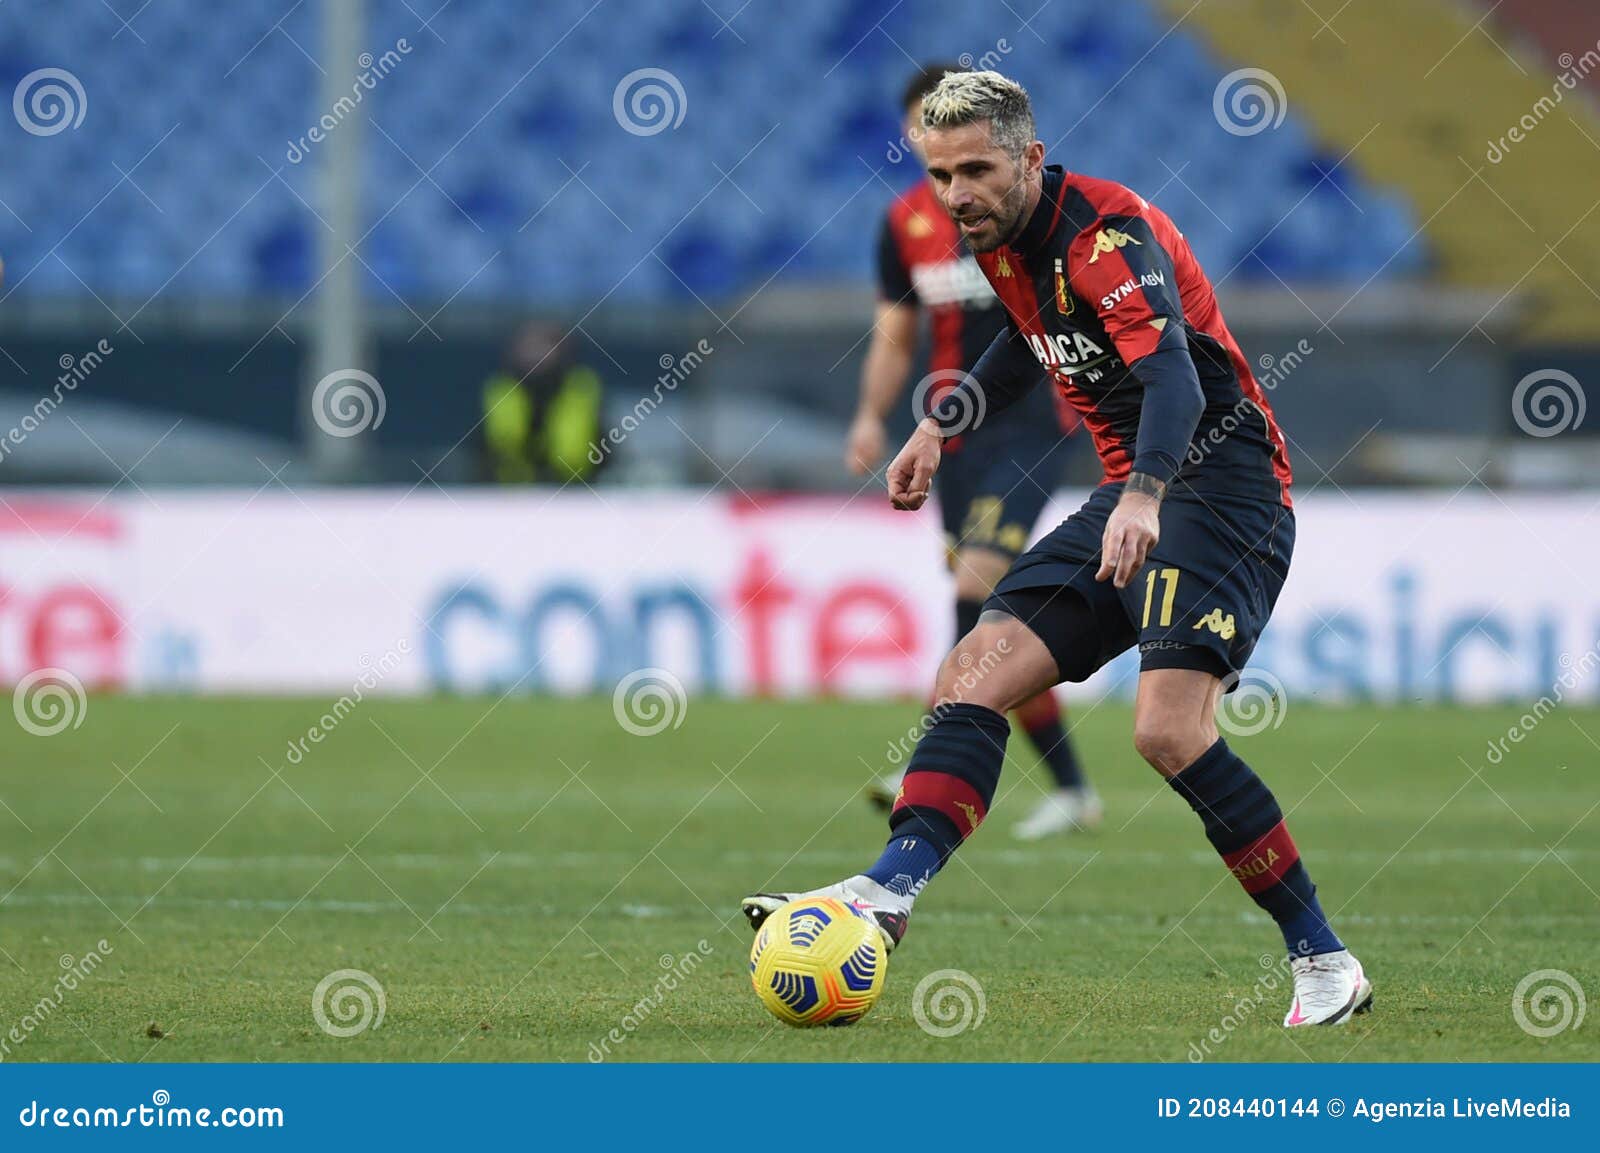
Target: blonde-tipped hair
(977, 97)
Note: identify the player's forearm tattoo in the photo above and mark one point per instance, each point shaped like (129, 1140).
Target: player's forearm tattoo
(1145, 483)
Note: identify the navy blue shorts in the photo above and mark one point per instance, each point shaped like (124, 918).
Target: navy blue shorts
(991, 493)
(1199, 602)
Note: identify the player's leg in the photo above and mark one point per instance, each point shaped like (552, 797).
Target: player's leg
(1044, 721)
(951, 778)
(1036, 630)
(1201, 602)
(1071, 804)
(1007, 492)
(1175, 731)
(989, 499)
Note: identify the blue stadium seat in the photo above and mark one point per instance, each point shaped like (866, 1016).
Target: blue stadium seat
(544, 180)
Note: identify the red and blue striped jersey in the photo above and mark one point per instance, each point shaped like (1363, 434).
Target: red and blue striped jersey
(1089, 285)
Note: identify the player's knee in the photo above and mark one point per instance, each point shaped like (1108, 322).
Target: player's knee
(1169, 744)
(972, 673)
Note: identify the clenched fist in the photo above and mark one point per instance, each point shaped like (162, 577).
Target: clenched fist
(911, 472)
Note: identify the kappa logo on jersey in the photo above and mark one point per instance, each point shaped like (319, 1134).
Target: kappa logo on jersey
(1064, 298)
(1217, 623)
(1109, 240)
(1126, 289)
(1003, 267)
(1067, 350)
(918, 226)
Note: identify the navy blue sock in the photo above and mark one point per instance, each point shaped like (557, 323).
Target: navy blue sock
(1245, 825)
(906, 865)
(1041, 719)
(945, 794)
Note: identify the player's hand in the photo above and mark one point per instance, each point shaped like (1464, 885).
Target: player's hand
(864, 445)
(911, 471)
(1131, 532)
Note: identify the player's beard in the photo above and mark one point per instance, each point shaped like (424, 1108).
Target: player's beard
(1005, 220)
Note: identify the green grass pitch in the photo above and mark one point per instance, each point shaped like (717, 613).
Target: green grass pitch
(519, 876)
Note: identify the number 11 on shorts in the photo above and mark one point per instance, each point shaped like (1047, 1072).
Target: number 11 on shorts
(1169, 577)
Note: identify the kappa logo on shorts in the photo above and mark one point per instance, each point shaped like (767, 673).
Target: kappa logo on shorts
(1217, 623)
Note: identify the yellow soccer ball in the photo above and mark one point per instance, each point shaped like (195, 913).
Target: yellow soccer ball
(818, 961)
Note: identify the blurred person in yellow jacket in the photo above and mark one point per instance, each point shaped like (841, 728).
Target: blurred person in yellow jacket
(541, 412)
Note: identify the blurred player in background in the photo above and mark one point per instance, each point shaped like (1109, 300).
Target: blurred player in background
(995, 481)
(1181, 551)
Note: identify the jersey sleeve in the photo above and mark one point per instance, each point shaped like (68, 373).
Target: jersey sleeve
(894, 278)
(1125, 274)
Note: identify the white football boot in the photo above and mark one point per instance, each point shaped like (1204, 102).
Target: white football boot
(1061, 811)
(1329, 989)
(889, 910)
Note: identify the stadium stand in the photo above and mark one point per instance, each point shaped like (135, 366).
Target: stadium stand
(1464, 108)
(487, 164)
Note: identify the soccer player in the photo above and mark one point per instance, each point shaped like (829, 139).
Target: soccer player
(996, 480)
(1182, 550)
